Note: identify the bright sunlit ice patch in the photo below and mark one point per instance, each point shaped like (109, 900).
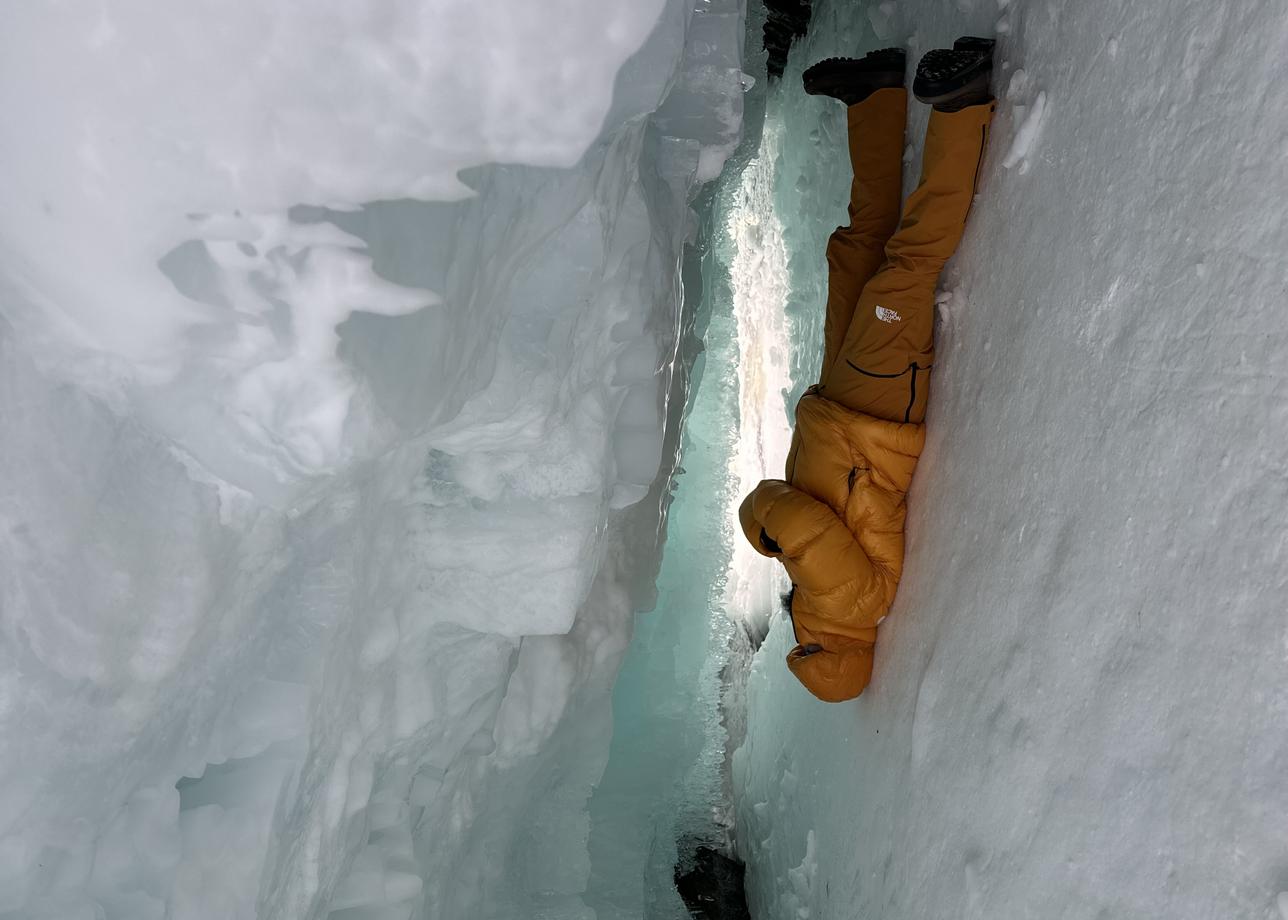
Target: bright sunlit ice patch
(759, 279)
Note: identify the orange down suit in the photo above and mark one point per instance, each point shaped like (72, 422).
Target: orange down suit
(837, 520)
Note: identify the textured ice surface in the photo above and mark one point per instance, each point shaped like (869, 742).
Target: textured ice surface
(664, 789)
(335, 368)
(186, 138)
(1080, 703)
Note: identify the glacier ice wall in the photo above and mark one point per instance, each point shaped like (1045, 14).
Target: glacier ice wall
(336, 379)
(680, 694)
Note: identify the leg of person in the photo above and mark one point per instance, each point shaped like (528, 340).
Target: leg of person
(854, 253)
(889, 347)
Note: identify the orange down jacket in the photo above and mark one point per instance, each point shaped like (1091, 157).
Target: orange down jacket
(836, 522)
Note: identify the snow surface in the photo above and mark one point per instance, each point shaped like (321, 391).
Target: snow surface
(336, 351)
(1080, 705)
(336, 380)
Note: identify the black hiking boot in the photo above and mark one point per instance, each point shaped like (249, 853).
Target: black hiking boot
(854, 79)
(952, 79)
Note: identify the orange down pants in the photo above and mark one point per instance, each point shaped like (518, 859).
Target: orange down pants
(879, 331)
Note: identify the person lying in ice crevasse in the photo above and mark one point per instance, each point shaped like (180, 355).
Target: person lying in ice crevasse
(837, 520)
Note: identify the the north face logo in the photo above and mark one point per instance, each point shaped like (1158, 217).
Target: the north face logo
(886, 315)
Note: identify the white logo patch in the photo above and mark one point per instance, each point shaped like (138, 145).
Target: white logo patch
(886, 315)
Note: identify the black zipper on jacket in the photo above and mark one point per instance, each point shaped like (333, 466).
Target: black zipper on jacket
(870, 374)
(912, 394)
(979, 163)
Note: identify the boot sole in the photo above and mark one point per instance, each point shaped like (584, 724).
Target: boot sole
(839, 74)
(969, 79)
(977, 85)
(849, 65)
(975, 43)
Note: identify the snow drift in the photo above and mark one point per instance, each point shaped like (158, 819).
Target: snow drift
(1081, 694)
(335, 368)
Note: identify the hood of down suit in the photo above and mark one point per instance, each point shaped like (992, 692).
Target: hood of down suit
(836, 522)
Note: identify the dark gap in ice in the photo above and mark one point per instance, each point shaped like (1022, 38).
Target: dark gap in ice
(711, 883)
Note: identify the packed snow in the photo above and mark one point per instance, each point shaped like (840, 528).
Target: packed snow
(1080, 704)
(336, 377)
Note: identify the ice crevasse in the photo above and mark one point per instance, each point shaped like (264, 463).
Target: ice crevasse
(338, 407)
